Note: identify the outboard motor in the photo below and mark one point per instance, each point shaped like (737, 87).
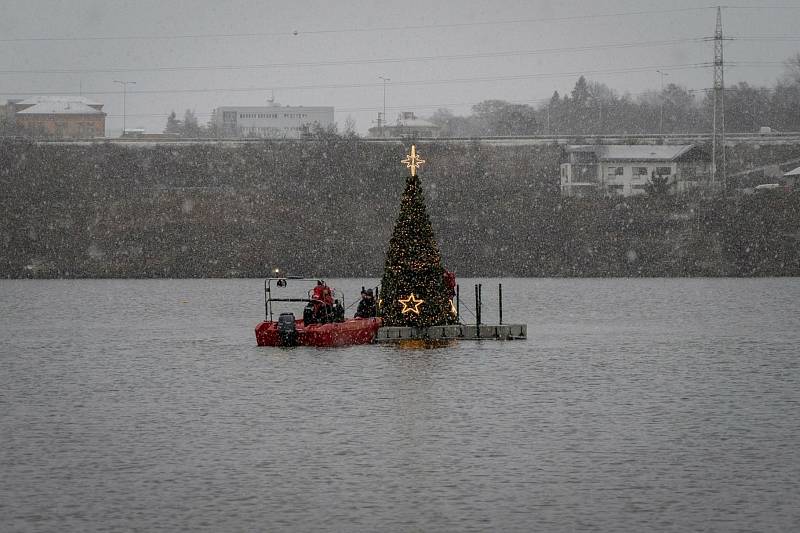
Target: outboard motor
(287, 330)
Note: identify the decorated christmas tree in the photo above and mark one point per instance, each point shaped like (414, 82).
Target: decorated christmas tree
(413, 289)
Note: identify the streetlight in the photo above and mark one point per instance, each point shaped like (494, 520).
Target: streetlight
(661, 112)
(383, 127)
(124, 91)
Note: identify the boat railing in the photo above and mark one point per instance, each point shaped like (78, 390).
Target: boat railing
(282, 282)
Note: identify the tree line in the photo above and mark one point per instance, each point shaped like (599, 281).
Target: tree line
(593, 108)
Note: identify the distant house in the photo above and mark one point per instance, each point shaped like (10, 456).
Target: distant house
(790, 178)
(408, 126)
(272, 121)
(66, 117)
(625, 170)
(5, 121)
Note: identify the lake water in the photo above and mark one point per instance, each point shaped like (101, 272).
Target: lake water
(634, 405)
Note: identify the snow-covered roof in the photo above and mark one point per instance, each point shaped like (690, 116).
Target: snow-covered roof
(60, 108)
(639, 152)
(41, 99)
(795, 172)
(416, 123)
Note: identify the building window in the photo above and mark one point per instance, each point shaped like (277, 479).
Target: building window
(639, 171)
(663, 171)
(615, 171)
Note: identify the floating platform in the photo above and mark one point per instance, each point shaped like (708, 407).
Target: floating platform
(471, 332)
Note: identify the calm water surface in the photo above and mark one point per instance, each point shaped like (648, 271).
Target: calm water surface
(635, 405)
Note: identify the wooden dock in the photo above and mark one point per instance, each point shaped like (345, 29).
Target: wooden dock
(471, 332)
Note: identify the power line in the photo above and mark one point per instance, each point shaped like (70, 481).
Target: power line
(767, 38)
(753, 63)
(512, 53)
(760, 7)
(421, 106)
(626, 70)
(297, 32)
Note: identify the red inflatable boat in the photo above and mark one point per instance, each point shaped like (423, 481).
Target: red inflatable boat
(322, 323)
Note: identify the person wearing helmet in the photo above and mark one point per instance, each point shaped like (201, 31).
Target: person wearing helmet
(366, 307)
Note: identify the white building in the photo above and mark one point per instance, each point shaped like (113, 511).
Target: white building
(625, 170)
(273, 121)
(408, 125)
(791, 178)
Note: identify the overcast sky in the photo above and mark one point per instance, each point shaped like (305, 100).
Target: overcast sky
(201, 54)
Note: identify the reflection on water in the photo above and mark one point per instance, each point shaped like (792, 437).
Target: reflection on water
(634, 405)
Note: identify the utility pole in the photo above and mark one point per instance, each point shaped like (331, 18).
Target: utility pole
(124, 93)
(661, 111)
(718, 115)
(548, 117)
(382, 125)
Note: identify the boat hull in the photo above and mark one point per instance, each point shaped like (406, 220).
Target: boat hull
(351, 331)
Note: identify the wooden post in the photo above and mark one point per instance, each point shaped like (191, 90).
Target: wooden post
(458, 304)
(478, 309)
(500, 300)
(267, 314)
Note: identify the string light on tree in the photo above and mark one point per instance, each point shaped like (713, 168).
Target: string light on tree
(413, 274)
(413, 161)
(411, 304)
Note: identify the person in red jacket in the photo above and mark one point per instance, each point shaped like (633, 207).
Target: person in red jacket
(450, 282)
(322, 300)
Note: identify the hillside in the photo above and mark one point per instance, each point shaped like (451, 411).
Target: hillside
(327, 207)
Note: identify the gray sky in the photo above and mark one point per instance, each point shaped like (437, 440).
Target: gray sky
(202, 54)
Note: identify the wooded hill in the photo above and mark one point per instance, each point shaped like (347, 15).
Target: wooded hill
(327, 207)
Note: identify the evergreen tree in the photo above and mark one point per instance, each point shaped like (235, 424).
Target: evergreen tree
(212, 128)
(657, 186)
(173, 124)
(498, 117)
(190, 126)
(553, 114)
(580, 93)
(413, 288)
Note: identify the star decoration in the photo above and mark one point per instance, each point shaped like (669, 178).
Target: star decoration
(413, 161)
(411, 304)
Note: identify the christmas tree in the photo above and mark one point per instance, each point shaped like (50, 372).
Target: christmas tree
(413, 288)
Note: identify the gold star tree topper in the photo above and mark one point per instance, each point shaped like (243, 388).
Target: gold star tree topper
(411, 304)
(413, 161)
